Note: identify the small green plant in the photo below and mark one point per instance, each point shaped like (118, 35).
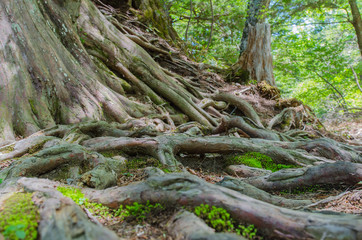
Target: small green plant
(257, 160)
(1, 181)
(19, 217)
(220, 220)
(137, 210)
(249, 232)
(14, 231)
(78, 197)
(217, 218)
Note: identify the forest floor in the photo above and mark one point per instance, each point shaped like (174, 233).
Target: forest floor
(348, 125)
(348, 200)
(152, 159)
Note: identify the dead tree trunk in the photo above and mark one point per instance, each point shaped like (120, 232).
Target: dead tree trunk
(255, 61)
(356, 22)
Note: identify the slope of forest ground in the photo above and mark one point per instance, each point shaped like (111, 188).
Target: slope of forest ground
(215, 160)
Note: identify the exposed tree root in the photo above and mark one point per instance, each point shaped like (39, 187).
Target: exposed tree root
(327, 173)
(67, 161)
(60, 217)
(185, 225)
(251, 191)
(274, 221)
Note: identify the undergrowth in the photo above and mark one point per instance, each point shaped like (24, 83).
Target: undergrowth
(137, 210)
(19, 217)
(220, 220)
(257, 160)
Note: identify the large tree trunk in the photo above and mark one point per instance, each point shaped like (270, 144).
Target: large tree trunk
(54, 58)
(255, 61)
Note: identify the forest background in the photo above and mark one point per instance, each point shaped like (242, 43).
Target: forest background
(314, 46)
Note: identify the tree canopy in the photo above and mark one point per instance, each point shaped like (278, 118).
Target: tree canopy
(314, 46)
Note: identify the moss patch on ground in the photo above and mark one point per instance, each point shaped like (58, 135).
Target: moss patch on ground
(19, 217)
(257, 160)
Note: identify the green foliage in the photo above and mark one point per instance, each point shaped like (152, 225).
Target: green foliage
(248, 232)
(7, 149)
(137, 210)
(313, 45)
(314, 49)
(220, 220)
(19, 217)
(257, 160)
(217, 218)
(1, 181)
(78, 197)
(229, 19)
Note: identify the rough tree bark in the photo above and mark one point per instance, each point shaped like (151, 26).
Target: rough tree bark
(356, 22)
(255, 61)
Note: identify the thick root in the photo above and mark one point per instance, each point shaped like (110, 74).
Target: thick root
(187, 190)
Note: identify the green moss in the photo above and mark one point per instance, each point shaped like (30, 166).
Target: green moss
(19, 217)
(301, 190)
(111, 153)
(7, 149)
(257, 160)
(137, 210)
(142, 163)
(32, 106)
(37, 147)
(78, 197)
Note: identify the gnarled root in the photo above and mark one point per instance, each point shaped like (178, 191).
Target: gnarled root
(327, 173)
(187, 190)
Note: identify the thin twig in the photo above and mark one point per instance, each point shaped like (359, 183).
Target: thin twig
(356, 78)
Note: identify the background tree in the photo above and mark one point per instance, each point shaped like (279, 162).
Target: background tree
(316, 36)
(255, 61)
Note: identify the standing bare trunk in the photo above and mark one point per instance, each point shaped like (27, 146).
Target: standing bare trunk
(255, 61)
(357, 22)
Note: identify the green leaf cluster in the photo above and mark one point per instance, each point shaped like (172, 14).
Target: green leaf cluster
(314, 49)
(229, 19)
(137, 210)
(220, 220)
(78, 197)
(19, 217)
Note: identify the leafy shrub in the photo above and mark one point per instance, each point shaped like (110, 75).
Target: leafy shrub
(19, 217)
(257, 160)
